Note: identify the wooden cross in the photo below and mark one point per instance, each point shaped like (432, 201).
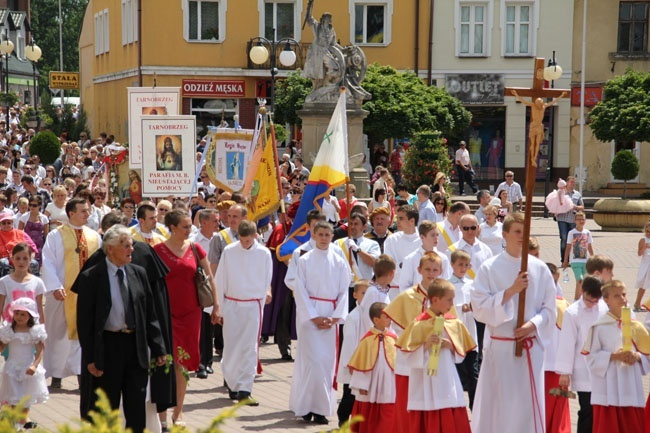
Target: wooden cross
(537, 93)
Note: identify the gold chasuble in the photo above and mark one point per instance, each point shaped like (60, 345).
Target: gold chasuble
(367, 353)
(422, 328)
(78, 244)
(561, 304)
(640, 336)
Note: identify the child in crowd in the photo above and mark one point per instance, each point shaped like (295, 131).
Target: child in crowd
(428, 231)
(558, 418)
(23, 209)
(373, 375)
(436, 402)
(378, 291)
(570, 364)
(351, 335)
(20, 283)
(643, 276)
(579, 248)
(617, 394)
(402, 310)
(468, 369)
(23, 375)
(600, 266)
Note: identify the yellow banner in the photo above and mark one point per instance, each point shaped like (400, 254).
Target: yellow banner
(264, 196)
(64, 80)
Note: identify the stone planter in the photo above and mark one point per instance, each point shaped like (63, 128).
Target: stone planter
(619, 215)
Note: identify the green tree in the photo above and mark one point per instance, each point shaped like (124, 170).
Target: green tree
(624, 113)
(427, 155)
(625, 166)
(44, 21)
(47, 146)
(402, 104)
(290, 95)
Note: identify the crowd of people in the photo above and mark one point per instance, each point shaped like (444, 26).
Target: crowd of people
(406, 303)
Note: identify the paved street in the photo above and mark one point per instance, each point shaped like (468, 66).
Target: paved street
(207, 397)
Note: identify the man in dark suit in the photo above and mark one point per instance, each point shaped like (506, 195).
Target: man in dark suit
(118, 326)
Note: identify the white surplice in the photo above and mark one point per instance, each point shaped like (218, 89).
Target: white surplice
(576, 323)
(613, 383)
(398, 246)
(62, 356)
(243, 280)
(322, 281)
(462, 296)
(441, 391)
(292, 267)
(409, 276)
(351, 337)
(504, 400)
(374, 293)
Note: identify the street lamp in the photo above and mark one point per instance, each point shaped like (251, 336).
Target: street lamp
(552, 72)
(259, 54)
(6, 48)
(34, 53)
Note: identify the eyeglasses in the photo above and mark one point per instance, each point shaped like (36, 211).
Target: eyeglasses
(439, 202)
(33, 205)
(212, 202)
(468, 228)
(129, 207)
(46, 184)
(510, 175)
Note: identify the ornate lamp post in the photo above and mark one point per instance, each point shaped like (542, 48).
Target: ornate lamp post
(34, 53)
(259, 54)
(552, 72)
(6, 48)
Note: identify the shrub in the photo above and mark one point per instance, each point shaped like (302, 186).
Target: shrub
(625, 166)
(47, 146)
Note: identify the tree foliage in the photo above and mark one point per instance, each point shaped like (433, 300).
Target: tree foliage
(402, 105)
(427, 155)
(625, 166)
(290, 95)
(45, 24)
(624, 113)
(47, 146)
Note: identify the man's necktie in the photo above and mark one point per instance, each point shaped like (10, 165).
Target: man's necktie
(129, 316)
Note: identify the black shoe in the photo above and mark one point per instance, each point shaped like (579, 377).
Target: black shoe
(264, 339)
(30, 425)
(209, 370)
(56, 383)
(287, 357)
(232, 395)
(307, 417)
(202, 374)
(320, 419)
(245, 398)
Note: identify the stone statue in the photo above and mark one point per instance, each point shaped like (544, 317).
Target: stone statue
(330, 66)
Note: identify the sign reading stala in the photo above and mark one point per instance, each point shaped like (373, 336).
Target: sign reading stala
(214, 88)
(64, 80)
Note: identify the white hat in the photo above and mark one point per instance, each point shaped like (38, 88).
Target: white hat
(495, 202)
(24, 304)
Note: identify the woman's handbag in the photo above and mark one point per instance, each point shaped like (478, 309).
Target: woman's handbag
(202, 282)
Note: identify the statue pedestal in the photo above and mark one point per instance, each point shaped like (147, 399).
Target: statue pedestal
(315, 120)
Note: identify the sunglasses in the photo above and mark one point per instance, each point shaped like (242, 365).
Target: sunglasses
(47, 184)
(212, 202)
(510, 175)
(468, 228)
(33, 205)
(439, 202)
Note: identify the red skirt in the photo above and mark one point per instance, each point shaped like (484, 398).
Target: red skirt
(377, 417)
(615, 419)
(647, 415)
(558, 416)
(448, 420)
(401, 404)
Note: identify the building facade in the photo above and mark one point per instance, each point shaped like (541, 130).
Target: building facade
(616, 38)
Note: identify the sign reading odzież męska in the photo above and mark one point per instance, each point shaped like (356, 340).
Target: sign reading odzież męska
(64, 80)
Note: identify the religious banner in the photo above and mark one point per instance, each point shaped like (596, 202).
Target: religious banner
(148, 101)
(228, 153)
(265, 193)
(121, 180)
(169, 167)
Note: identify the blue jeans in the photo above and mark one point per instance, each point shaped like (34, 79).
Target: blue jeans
(565, 228)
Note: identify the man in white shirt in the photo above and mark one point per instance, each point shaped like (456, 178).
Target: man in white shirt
(450, 228)
(464, 169)
(425, 207)
(403, 242)
(514, 190)
(483, 197)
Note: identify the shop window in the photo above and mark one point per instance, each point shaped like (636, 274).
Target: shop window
(209, 112)
(472, 28)
(129, 21)
(205, 20)
(371, 21)
(633, 27)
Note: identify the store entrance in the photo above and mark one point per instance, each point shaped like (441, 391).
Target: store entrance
(209, 112)
(486, 142)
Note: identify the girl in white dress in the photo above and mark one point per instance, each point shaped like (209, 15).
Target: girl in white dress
(643, 276)
(23, 375)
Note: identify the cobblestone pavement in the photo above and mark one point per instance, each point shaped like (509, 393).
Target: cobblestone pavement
(206, 398)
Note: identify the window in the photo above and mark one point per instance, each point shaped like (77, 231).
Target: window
(281, 17)
(20, 45)
(633, 27)
(472, 24)
(101, 32)
(517, 30)
(205, 20)
(129, 21)
(371, 22)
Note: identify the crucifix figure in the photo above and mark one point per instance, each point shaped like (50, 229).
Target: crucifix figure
(537, 93)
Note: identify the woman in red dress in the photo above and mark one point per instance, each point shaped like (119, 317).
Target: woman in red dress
(185, 310)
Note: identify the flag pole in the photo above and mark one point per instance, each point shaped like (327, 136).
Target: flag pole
(276, 161)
